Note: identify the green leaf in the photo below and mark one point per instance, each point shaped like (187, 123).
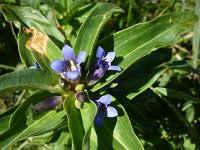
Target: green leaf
(91, 28)
(134, 86)
(80, 121)
(25, 54)
(5, 118)
(140, 40)
(75, 123)
(176, 94)
(29, 79)
(32, 18)
(4, 123)
(116, 133)
(147, 64)
(63, 141)
(88, 113)
(24, 123)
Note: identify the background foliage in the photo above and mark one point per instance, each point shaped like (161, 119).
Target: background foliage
(157, 90)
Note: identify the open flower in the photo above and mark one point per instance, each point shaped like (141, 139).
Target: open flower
(103, 63)
(70, 66)
(104, 110)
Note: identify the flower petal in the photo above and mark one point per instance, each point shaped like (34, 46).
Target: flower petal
(100, 52)
(110, 56)
(47, 104)
(58, 65)
(81, 57)
(111, 112)
(106, 99)
(117, 68)
(68, 53)
(98, 121)
(72, 75)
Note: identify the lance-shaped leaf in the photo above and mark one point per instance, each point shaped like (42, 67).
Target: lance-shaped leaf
(5, 118)
(140, 40)
(116, 133)
(79, 121)
(24, 123)
(91, 28)
(29, 17)
(25, 54)
(75, 123)
(134, 86)
(28, 79)
(176, 94)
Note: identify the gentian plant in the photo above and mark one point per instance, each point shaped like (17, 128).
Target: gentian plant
(69, 97)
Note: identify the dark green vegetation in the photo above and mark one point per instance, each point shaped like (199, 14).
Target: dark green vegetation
(156, 94)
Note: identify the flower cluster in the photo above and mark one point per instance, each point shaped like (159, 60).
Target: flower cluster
(71, 74)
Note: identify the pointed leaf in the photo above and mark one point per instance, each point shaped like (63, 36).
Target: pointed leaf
(25, 54)
(116, 133)
(176, 94)
(134, 86)
(74, 122)
(24, 123)
(30, 17)
(91, 28)
(140, 40)
(28, 79)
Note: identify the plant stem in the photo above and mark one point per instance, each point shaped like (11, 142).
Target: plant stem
(129, 17)
(196, 37)
(7, 67)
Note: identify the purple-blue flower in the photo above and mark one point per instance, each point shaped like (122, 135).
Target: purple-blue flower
(103, 63)
(104, 110)
(70, 66)
(48, 104)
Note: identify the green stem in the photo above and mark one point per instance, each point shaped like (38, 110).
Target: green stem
(7, 67)
(196, 38)
(129, 17)
(12, 29)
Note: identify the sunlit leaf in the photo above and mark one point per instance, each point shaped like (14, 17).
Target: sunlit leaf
(135, 42)
(28, 79)
(116, 133)
(24, 123)
(91, 28)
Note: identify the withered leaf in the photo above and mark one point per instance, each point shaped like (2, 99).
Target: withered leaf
(37, 42)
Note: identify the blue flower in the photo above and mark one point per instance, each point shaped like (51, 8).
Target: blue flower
(104, 110)
(70, 66)
(48, 104)
(103, 63)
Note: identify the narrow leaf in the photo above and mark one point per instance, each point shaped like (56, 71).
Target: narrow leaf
(116, 133)
(176, 94)
(140, 40)
(74, 122)
(31, 18)
(24, 123)
(28, 79)
(134, 86)
(25, 54)
(91, 28)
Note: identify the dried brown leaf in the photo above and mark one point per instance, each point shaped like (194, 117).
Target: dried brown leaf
(37, 42)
